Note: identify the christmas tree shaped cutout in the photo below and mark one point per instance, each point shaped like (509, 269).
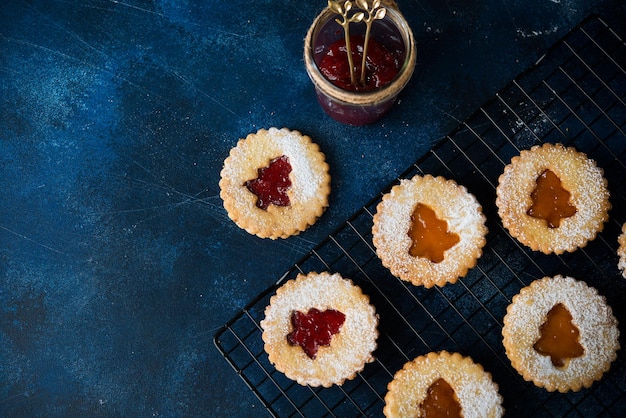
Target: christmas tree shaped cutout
(314, 329)
(559, 337)
(550, 200)
(272, 184)
(440, 401)
(429, 234)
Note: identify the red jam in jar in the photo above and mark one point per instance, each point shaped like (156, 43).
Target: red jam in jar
(272, 183)
(381, 65)
(390, 62)
(314, 329)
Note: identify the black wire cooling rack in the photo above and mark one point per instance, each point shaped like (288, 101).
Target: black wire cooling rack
(574, 95)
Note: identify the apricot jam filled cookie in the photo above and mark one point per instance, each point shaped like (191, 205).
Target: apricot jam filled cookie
(429, 231)
(442, 384)
(320, 329)
(621, 251)
(275, 183)
(560, 334)
(553, 199)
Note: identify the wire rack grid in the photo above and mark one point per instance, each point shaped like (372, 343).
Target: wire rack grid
(574, 95)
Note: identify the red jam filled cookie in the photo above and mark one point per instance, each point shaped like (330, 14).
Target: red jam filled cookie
(275, 183)
(320, 329)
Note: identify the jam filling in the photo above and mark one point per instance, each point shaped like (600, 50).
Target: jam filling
(559, 337)
(272, 183)
(381, 65)
(430, 235)
(314, 329)
(550, 200)
(440, 401)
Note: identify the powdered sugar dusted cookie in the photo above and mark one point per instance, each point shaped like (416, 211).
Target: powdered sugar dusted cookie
(443, 382)
(553, 199)
(560, 334)
(429, 230)
(320, 329)
(621, 251)
(275, 183)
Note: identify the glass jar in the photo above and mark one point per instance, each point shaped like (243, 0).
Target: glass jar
(354, 107)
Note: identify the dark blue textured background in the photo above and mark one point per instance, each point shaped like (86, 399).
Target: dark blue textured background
(117, 261)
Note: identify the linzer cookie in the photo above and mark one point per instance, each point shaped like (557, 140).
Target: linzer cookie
(553, 199)
(275, 183)
(443, 384)
(560, 334)
(621, 251)
(429, 230)
(320, 329)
